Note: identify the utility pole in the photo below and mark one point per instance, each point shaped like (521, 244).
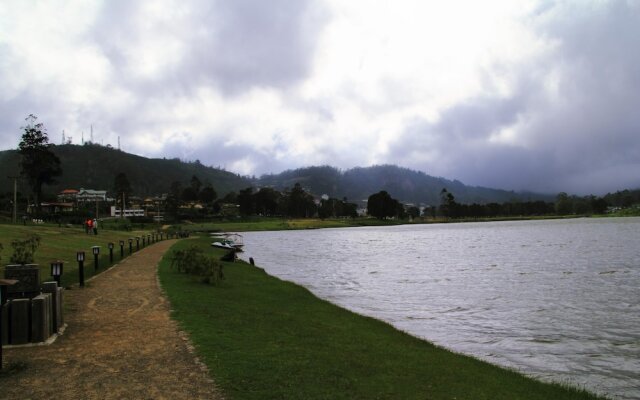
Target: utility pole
(15, 197)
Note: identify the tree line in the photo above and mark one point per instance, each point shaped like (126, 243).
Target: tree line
(40, 166)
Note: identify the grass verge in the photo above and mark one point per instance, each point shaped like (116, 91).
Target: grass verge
(62, 243)
(263, 338)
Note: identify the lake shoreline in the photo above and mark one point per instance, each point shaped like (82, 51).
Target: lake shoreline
(266, 337)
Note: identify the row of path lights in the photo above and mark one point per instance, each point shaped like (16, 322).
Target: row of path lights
(57, 266)
(80, 258)
(96, 253)
(56, 270)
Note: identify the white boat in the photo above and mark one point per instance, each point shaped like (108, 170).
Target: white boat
(223, 245)
(231, 241)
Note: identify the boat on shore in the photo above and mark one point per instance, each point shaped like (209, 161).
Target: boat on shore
(230, 241)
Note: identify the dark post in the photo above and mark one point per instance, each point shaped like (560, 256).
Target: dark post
(110, 252)
(149, 238)
(80, 258)
(3, 296)
(143, 240)
(121, 249)
(130, 246)
(96, 252)
(137, 243)
(56, 270)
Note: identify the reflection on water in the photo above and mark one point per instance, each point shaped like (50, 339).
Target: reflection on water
(558, 300)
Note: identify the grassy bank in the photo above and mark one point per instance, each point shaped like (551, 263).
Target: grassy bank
(62, 243)
(278, 224)
(264, 338)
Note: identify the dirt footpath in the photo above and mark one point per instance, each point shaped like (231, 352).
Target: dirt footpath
(119, 344)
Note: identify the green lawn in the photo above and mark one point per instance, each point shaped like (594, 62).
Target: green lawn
(263, 338)
(277, 224)
(62, 243)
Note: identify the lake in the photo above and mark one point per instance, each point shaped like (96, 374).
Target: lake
(556, 299)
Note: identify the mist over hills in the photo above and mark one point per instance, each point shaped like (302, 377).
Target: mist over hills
(95, 166)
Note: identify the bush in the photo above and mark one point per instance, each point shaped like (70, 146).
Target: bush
(193, 261)
(23, 250)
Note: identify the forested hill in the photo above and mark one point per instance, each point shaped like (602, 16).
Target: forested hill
(404, 184)
(93, 166)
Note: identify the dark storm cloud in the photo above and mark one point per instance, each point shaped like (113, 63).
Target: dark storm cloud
(258, 43)
(232, 45)
(581, 136)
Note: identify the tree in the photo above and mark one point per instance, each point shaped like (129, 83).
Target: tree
(246, 201)
(122, 189)
(381, 205)
(448, 205)
(564, 204)
(208, 194)
(414, 212)
(173, 199)
(300, 203)
(598, 205)
(266, 201)
(189, 194)
(39, 164)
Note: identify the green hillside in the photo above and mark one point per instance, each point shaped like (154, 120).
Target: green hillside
(95, 167)
(402, 183)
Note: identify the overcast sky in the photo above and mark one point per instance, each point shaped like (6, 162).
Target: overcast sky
(533, 95)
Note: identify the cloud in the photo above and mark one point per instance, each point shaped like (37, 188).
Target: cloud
(528, 94)
(568, 122)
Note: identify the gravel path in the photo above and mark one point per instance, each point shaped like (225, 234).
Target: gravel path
(120, 343)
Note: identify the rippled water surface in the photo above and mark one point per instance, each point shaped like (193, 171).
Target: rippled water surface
(558, 300)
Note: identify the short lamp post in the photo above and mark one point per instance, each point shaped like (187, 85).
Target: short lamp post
(96, 253)
(130, 246)
(56, 270)
(121, 249)
(144, 239)
(137, 243)
(80, 259)
(148, 238)
(110, 252)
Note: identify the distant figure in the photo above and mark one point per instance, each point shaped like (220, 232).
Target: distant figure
(89, 225)
(95, 226)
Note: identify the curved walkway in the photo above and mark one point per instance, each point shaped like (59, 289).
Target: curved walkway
(120, 343)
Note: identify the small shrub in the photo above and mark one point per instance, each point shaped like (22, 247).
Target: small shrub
(193, 261)
(23, 250)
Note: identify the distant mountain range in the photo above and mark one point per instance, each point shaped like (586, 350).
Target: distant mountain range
(95, 167)
(407, 185)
